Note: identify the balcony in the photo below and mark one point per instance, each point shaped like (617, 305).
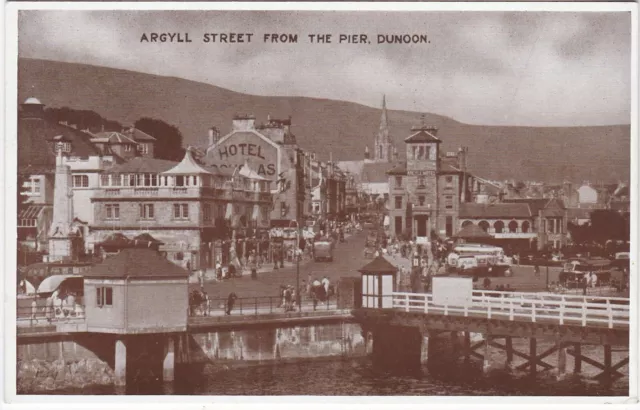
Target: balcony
(158, 192)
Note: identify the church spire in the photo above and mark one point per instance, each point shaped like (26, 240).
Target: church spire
(384, 126)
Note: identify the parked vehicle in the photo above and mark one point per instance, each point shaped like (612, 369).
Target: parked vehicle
(575, 269)
(323, 249)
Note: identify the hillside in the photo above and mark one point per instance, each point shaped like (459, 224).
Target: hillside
(323, 126)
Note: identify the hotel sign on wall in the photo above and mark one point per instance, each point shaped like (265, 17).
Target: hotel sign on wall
(261, 156)
(421, 173)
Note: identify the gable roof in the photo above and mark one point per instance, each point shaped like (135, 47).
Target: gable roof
(399, 169)
(499, 210)
(138, 135)
(112, 137)
(35, 151)
(378, 265)
(136, 263)
(422, 136)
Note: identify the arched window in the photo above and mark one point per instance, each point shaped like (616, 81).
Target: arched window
(466, 223)
(498, 226)
(513, 226)
(525, 226)
(484, 225)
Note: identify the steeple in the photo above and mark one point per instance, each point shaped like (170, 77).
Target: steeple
(382, 144)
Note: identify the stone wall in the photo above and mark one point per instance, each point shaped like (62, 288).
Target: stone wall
(58, 365)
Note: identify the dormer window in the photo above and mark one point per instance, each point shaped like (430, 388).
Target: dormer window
(65, 147)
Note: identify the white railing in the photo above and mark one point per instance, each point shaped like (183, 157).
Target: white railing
(530, 307)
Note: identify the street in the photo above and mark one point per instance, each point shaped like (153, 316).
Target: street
(348, 258)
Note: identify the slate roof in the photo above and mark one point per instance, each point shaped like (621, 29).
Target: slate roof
(378, 265)
(398, 169)
(143, 164)
(375, 172)
(552, 206)
(422, 136)
(136, 263)
(500, 210)
(113, 137)
(138, 135)
(35, 151)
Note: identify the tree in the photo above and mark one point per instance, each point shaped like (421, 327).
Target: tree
(168, 138)
(607, 224)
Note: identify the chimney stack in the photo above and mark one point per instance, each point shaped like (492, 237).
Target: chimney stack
(214, 135)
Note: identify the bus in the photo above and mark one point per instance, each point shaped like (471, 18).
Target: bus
(488, 259)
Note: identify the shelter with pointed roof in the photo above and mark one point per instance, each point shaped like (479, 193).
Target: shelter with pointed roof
(378, 283)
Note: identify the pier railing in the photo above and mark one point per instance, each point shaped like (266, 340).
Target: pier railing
(263, 305)
(530, 307)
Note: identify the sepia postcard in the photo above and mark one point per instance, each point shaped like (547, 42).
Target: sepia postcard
(324, 203)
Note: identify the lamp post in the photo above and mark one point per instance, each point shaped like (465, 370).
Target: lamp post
(298, 298)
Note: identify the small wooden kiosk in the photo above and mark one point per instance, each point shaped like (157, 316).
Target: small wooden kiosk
(378, 283)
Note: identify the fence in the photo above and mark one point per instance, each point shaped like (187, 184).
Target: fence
(263, 305)
(531, 307)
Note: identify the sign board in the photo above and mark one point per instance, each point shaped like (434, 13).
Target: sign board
(421, 173)
(239, 147)
(515, 235)
(422, 240)
(452, 291)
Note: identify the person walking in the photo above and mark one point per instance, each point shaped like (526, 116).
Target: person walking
(231, 300)
(34, 311)
(253, 264)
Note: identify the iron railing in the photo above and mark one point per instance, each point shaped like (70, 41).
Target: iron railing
(261, 305)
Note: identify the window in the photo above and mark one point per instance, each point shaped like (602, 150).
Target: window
(498, 226)
(113, 211)
(104, 180)
(80, 181)
(449, 180)
(398, 182)
(513, 227)
(449, 226)
(398, 225)
(104, 296)
(146, 211)
(63, 146)
(127, 147)
(283, 208)
(448, 202)
(206, 212)
(181, 211)
(398, 202)
(143, 148)
(32, 186)
(421, 200)
(421, 182)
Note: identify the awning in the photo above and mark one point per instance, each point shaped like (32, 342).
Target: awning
(256, 213)
(52, 283)
(229, 212)
(29, 289)
(28, 217)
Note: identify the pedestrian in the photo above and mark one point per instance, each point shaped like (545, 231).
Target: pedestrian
(218, 270)
(231, 300)
(34, 311)
(201, 278)
(325, 284)
(253, 263)
(487, 283)
(536, 270)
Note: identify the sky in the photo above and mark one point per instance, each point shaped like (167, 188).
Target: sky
(491, 68)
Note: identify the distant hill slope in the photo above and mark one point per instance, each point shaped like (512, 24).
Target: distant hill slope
(344, 128)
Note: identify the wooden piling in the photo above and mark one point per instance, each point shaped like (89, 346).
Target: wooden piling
(562, 358)
(509, 348)
(533, 365)
(577, 358)
(467, 347)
